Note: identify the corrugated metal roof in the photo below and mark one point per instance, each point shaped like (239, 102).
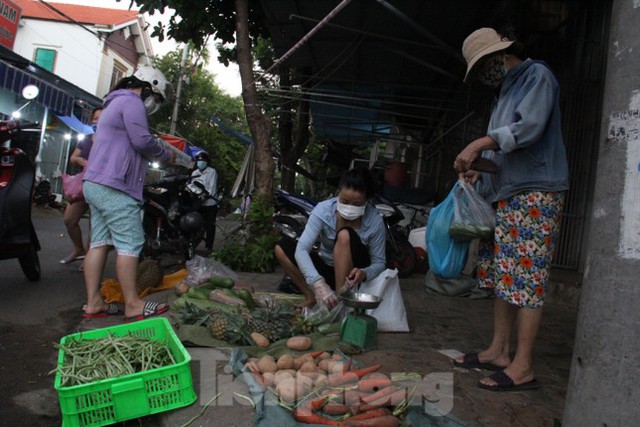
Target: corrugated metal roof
(82, 14)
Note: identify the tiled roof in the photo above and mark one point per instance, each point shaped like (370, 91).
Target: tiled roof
(82, 14)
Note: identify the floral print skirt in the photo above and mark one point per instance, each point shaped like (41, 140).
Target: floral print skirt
(517, 263)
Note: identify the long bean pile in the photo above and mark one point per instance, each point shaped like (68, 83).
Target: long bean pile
(87, 361)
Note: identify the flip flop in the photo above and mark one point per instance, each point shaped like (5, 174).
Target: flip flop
(471, 361)
(150, 309)
(112, 310)
(505, 383)
(70, 259)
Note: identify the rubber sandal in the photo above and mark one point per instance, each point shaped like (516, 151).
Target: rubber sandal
(112, 310)
(471, 361)
(505, 383)
(150, 309)
(70, 259)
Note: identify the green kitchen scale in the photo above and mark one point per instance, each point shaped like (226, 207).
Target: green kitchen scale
(358, 328)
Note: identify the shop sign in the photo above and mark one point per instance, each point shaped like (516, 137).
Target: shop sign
(9, 17)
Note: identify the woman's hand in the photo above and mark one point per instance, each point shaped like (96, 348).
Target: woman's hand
(471, 152)
(356, 276)
(470, 176)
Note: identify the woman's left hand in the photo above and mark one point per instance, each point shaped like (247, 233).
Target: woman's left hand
(356, 276)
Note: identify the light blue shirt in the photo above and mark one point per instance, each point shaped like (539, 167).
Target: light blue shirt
(322, 226)
(525, 123)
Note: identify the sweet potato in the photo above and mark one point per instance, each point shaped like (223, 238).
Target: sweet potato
(285, 362)
(299, 343)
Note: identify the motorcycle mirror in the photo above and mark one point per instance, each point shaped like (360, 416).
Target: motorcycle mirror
(30, 92)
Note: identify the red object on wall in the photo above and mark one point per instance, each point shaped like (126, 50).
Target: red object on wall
(395, 174)
(9, 17)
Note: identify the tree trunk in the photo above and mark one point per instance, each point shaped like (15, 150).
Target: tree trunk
(259, 124)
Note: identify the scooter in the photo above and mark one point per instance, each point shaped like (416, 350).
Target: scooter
(18, 237)
(170, 216)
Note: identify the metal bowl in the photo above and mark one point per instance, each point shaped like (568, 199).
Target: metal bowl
(361, 300)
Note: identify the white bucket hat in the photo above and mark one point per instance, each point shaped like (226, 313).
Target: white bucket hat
(481, 43)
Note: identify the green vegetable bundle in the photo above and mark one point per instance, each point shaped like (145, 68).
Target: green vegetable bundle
(87, 361)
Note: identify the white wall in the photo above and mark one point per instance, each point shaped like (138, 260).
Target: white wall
(78, 52)
(80, 58)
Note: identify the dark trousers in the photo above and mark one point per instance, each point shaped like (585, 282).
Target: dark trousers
(210, 213)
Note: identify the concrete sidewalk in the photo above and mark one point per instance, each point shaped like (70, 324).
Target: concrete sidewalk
(437, 323)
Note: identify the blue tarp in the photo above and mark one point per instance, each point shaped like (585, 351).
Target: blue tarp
(74, 123)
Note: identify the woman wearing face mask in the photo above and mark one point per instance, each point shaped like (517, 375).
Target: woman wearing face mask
(74, 211)
(208, 177)
(113, 184)
(352, 243)
(525, 138)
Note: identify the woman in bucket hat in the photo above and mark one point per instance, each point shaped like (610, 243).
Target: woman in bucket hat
(524, 138)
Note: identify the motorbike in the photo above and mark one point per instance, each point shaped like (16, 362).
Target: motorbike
(294, 211)
(18, 237)
(171, 221)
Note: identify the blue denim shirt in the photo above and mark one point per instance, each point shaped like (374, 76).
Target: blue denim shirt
(322, 226)
(525, 123)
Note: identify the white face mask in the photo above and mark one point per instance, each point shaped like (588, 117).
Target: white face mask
(350, 212)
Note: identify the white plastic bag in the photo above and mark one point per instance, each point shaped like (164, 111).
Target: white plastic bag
(202, 269)
(473, 217)
(391, 313)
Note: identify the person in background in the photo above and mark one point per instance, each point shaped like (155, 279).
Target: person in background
(113, 184)
(352, 243)
(208, 177)
(525, 137)
(74, 211)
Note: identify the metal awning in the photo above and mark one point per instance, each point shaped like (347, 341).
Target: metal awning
(14, 80)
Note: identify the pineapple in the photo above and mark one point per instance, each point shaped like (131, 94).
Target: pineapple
(218, 327)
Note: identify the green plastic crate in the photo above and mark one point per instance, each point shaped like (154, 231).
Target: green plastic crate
(131, 396)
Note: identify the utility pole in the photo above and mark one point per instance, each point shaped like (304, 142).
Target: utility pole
(181, 77)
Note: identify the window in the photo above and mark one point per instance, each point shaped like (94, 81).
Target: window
(46, 58)
(118, 72)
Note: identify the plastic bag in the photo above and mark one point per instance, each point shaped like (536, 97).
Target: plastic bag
(72, 187)
(473, 217)
(202, 269)
(391, 313)
(446, 256)
(320, 314)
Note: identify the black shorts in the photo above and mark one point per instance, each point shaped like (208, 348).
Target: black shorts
(359, 253)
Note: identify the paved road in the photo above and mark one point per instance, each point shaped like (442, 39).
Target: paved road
(34, 315)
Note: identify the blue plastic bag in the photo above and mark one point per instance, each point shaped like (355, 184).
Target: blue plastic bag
(446, 256)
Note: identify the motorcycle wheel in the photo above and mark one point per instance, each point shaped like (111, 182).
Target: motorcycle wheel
(404, 258)
(30, 264)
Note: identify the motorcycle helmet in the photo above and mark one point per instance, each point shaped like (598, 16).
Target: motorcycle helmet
(191, 222)
(159, 83)
(203, 155)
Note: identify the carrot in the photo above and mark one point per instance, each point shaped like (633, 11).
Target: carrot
(383, 421)
(306, 416)
(364, 371)
(380, 412)
(378, 394)
(316, 404)
(351, 397)
(368, 385)
(340, 379)
(335, 409)
(393, 399)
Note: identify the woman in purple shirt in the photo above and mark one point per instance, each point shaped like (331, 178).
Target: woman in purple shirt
(113, 184)
(74, 211)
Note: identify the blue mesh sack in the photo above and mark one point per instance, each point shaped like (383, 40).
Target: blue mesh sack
(446, 256)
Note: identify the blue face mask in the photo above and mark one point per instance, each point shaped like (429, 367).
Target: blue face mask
(201, 164)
